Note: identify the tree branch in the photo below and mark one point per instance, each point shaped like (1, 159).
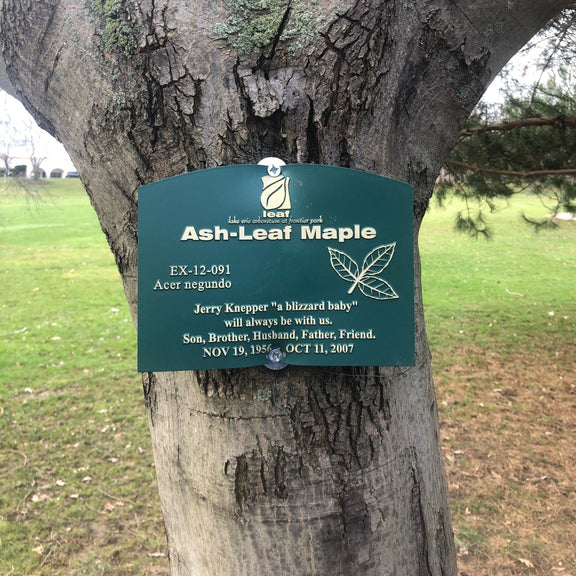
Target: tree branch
(557, 121)
(515, 173)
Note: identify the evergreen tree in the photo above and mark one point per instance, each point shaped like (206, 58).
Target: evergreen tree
(525, 144)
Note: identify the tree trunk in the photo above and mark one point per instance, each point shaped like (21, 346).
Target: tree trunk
(304, 471)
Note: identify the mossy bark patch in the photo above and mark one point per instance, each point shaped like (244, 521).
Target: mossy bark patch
(253, 25)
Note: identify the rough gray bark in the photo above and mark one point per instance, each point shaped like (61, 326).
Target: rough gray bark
(330, 471)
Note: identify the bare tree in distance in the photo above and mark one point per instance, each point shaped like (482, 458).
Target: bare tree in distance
(18, 136)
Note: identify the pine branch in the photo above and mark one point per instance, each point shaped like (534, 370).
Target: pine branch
(515, 173)
(556, 121)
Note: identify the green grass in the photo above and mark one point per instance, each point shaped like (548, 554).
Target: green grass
(501, 291)
(77, 483)
(62, 307)
(75, 455)
(501, 318)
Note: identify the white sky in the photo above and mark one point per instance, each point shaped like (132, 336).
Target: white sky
(15, 120)
(523, 67)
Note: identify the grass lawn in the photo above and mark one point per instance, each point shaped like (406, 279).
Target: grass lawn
(77, 483)
(501, 318)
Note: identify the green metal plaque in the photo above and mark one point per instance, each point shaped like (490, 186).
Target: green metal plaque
(315, 263)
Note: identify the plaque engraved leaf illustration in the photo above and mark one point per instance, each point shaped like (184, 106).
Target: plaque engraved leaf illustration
(345, 267)
(366, 278)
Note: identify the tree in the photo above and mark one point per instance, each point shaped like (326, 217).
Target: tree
(339, 471)
(36, 156)
(7, 164)
(7, 139)
(525, 143)
(12, 145)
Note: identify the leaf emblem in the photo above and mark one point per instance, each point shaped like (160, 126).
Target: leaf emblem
(275, 194)
(377, 288)
(367, 277)
(378, 259)
(345, 267)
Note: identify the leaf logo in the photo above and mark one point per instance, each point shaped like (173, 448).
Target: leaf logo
(367, 277)
(275, 195)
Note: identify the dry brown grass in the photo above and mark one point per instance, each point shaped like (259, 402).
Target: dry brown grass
(509, 439)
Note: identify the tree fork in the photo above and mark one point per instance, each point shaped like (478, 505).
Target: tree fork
(307, 471)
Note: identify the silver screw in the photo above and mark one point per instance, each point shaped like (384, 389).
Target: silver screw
(275, 355)
(273, 164)
(274, 171)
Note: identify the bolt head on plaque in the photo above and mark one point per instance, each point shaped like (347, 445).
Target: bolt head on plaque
(275, 357)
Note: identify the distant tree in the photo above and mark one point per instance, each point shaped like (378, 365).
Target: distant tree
(19, 171)
(36, 162)
(18, 138)
(32, 139)
(6, 161)
(7, 138)
(528, 143)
